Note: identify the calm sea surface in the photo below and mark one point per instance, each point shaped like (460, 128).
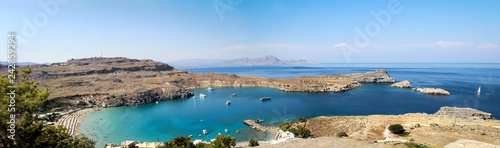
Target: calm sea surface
(165, 120)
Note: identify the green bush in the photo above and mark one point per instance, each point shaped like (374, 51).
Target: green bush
(202, 145)
(405, 134)
(253, 142)
(396, 129)
(302, 132)
(302, 119)
(285, 125)
(179, 141)
(82, 103)
(222, 141)
(416, 145)
(342, 134)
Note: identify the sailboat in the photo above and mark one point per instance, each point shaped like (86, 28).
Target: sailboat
(479, 90)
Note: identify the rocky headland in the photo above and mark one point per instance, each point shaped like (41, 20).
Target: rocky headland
(402, 84)
(432, 91)
(108, 82)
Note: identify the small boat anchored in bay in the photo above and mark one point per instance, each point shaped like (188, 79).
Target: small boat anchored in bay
(265, 98)
(228, 102)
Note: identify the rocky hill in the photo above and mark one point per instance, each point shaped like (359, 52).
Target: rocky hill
(122, 81)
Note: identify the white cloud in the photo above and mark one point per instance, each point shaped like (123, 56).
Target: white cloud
(442, 44)
(488, 46)
(339, 44)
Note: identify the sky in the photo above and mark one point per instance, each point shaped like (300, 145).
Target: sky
(325, 31)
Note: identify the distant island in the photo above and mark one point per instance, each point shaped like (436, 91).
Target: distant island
(266, 60)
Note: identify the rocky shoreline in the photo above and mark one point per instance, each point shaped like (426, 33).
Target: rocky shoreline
(111, 82)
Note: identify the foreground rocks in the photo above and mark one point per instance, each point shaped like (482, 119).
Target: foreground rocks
(433, 130)
(432, 91)
(109, 82)
(463, 113)
(466, 143)
(402, 84)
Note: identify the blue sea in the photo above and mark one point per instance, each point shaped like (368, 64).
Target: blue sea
(167, 119)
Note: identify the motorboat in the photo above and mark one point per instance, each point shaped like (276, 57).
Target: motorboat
(265, 98)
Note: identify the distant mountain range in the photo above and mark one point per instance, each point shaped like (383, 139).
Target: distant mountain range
(267, 60)
(23, 63)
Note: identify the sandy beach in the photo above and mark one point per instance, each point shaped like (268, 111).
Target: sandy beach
(72, 121)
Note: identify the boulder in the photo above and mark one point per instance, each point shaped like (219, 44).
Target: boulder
(467, 143)
(402, 84)
(463, 113)
(432, 91)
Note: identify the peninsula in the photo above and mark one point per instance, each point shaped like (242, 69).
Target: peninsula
(109, 82)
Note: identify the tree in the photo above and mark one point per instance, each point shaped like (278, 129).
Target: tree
(285, 125)
(180, 142)
(29, 131)
(302, 119)
(222, 141)
(253, 142)
(396, 129)
(82, 103)
(303, 132)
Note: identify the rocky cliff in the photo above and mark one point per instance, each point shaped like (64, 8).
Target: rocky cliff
(463, 113)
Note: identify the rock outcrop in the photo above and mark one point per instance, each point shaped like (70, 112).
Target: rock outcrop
(463, 113)
(432, 91)
(467, 143)
(379, 76)
(402, 84)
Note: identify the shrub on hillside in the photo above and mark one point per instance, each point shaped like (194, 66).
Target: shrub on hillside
(396, 129)
(342, 134)
(253, 142)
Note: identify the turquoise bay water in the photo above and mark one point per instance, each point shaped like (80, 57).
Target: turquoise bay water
(168, 119)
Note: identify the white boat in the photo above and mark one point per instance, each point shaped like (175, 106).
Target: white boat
(202, 96)
(479, 90)
(234, 94)
(156, 102)
(210, 88)
(228, 102)
(265, 98)
(205, 132)
(194, 97)
(227, 131)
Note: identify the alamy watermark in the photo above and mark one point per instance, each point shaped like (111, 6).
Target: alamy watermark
(11, 89)
(223, 6)
(372, 29)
